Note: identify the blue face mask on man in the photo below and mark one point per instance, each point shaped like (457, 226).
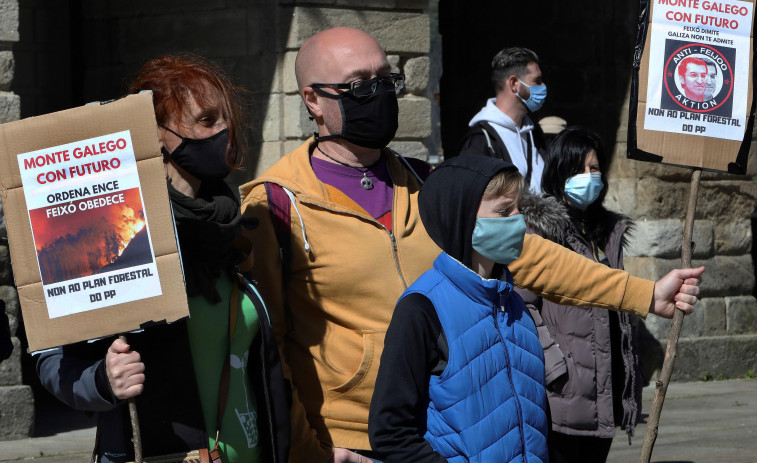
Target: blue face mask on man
(538, 93)
(583, 189)
(499, 239)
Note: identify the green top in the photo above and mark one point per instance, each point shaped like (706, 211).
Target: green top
(208, 337)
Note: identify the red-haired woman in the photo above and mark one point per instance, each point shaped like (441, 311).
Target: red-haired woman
(214, 378)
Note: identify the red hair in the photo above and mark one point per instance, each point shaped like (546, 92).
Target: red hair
(172, 78)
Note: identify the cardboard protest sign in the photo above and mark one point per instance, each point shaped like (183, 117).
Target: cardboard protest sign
(99, 206)
(691, 97)
(91, 236)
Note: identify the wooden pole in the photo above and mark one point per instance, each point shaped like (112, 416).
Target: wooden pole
(136, 437)
(661, 386)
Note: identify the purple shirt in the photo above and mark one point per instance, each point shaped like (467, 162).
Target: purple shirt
(376, 201)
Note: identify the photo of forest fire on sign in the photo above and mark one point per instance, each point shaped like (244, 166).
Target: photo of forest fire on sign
(90, 236)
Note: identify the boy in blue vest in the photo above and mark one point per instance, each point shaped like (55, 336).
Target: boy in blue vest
(462, 372)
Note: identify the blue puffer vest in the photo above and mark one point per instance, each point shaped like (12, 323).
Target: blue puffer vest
(489, 403)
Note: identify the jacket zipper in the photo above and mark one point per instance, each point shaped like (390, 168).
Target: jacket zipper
(392, 238)
(396, 256)
(510, 374)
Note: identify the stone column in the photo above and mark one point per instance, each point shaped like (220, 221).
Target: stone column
(16, 401)
(403, 30)
(720, 338)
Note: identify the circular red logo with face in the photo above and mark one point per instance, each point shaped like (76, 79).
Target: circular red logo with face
(699, 77)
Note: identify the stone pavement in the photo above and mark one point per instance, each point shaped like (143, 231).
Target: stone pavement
(62, 435)
(702, 422)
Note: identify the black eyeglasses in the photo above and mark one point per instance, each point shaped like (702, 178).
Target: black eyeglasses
(362, 88)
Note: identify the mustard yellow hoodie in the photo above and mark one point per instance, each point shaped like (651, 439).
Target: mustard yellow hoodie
(347, 272)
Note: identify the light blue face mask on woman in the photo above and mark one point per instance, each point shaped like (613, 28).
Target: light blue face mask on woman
(583, 189)
(537, 95)
(499, 239)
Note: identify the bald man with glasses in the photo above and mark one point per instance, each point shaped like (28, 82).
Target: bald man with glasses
(338, 238)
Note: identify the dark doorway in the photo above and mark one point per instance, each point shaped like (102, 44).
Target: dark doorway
(585, 50)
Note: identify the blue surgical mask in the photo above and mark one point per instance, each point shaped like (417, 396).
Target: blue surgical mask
(499, 239)
(537, 95)
(583, 189)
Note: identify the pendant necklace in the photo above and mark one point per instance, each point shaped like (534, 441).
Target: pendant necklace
(365, 182)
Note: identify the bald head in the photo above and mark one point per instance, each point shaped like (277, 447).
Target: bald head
(337, 55)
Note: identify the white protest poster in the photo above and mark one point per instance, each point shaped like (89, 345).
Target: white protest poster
(89, 225)
(698, 81)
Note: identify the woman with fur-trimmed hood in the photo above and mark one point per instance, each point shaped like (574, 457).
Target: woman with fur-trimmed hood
(591, 355)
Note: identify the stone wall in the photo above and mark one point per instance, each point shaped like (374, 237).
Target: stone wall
(16, 400)
(720, 338)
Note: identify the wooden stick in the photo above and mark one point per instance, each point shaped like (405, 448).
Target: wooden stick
(661, 386)
(136, 437)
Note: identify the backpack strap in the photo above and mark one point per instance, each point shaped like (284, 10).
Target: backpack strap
(495, 144)
(279, 209)
(540, 141)
(488, 141)
(420, 169)
(529, 162)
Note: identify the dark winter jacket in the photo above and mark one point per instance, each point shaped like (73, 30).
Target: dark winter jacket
(591, 355)
(170, 415)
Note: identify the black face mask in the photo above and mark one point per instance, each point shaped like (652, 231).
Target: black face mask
(368, 121)
(203, 159)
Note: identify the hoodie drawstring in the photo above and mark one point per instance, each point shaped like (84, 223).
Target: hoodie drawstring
(302, 224)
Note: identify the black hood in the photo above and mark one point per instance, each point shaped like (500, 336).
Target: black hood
(449, 201)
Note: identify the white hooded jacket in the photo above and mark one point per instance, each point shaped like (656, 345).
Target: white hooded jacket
(516, 141)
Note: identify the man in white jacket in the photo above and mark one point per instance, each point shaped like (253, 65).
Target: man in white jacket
(503, 127)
